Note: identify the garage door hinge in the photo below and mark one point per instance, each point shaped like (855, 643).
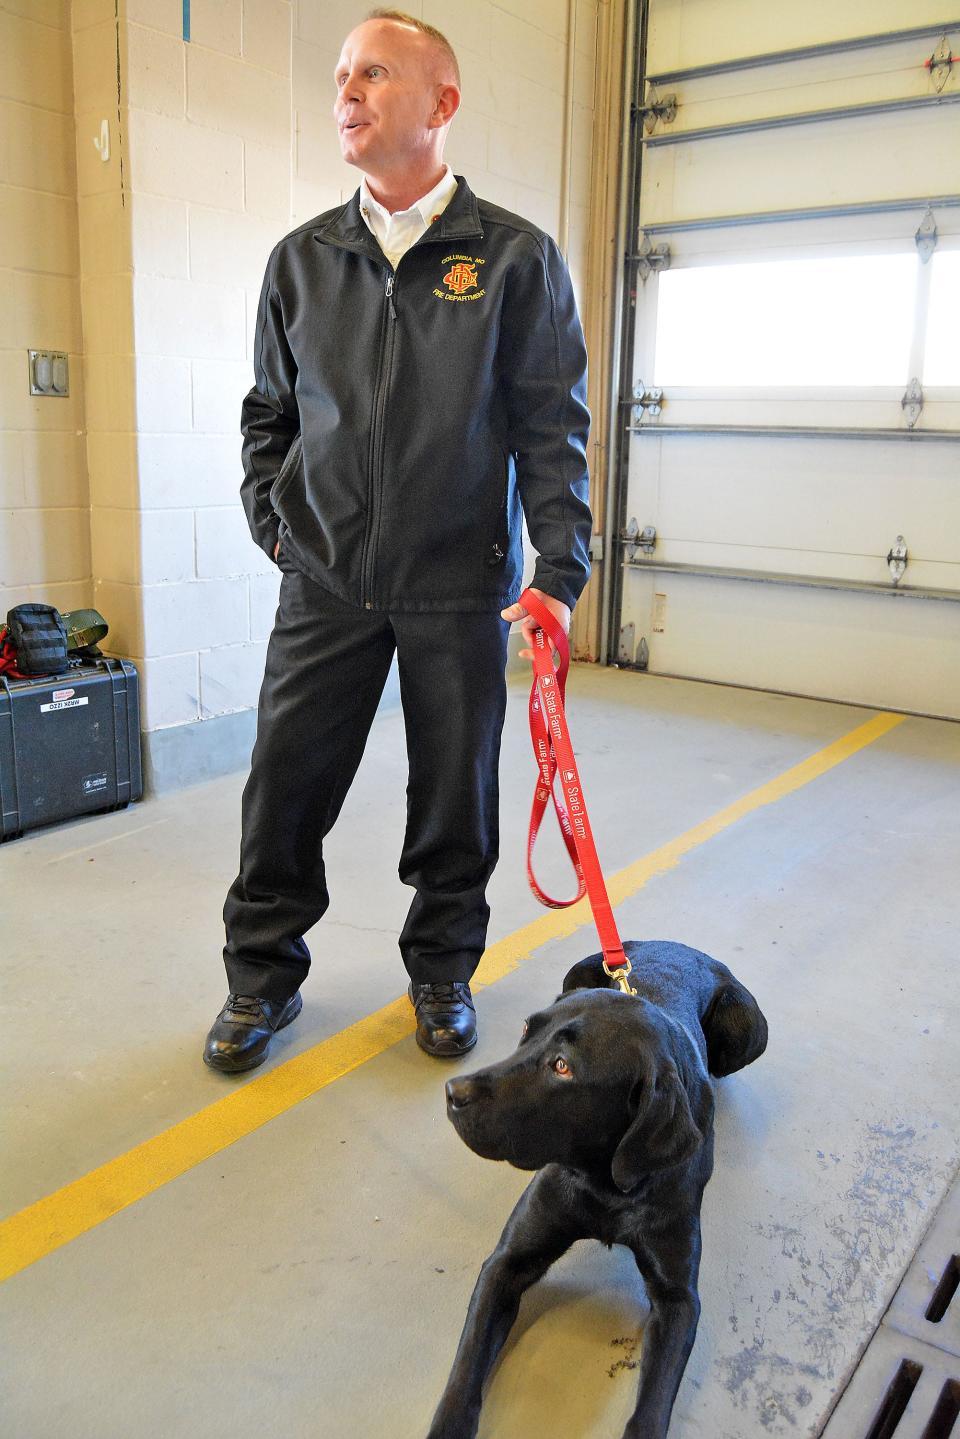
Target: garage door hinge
(940, 64)
(926, 236)
(650, 257)
(912, 403)
(664, 109)
(645, 402)
(897, 559)
(633, 539)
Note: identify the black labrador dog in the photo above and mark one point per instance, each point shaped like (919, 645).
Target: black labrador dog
(609, 1098)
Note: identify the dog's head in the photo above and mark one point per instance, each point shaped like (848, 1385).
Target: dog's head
(599, 1081)
(733, 1025)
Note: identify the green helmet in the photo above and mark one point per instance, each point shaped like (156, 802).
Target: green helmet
(84, 628)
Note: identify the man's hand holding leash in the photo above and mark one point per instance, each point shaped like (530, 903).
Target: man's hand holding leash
(557, 608)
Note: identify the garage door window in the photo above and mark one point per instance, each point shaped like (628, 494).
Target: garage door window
(832, 321)
(942, 362)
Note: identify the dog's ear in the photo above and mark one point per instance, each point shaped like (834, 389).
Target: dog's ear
(734, 1027)
(662, 1131)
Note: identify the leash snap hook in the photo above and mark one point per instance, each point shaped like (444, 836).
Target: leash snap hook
(621, 974)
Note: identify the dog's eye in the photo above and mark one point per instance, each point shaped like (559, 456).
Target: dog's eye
(561, 1067)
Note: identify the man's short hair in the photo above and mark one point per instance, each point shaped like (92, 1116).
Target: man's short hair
(435, 35)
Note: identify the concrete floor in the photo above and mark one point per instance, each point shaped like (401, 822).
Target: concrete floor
(311, 1280)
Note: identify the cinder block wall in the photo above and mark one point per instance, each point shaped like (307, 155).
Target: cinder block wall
(44, 528)
(219, 145)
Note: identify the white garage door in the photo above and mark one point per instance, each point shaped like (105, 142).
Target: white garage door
(795, 255)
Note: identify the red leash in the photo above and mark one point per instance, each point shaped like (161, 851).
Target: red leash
(553, 751)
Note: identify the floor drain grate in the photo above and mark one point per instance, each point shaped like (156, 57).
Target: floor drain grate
(895, 1400)
(945, 1415)
(944, 1291)
(907, 1385)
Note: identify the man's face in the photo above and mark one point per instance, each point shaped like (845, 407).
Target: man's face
(387, 94)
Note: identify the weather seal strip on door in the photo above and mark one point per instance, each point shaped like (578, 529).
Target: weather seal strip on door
(792, 432)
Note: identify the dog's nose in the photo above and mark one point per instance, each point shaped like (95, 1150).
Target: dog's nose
(460, 1093)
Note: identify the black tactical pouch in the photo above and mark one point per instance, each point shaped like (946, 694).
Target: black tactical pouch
(39, 637)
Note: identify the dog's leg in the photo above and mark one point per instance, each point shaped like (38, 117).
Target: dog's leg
(540, 1229)
(669, 1263)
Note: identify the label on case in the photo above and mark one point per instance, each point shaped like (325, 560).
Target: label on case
(64, 705)
(94, 782)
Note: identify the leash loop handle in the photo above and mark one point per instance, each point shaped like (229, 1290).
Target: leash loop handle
(553, 751)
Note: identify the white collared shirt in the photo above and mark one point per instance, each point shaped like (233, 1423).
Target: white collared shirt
(398, 231)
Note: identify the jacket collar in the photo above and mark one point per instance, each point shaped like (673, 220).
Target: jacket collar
(460, 220)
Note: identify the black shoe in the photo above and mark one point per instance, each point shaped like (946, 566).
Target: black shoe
(242, 1031)
(446, 1019)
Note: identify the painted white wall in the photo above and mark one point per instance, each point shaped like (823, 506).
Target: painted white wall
(44, 529)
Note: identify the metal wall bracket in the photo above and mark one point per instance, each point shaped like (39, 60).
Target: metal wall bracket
(656, 109)
(940, 64)
(912, 402)
(626, 654)
(651, 257)
(897, 559)
(926, 236)
(633, 539)
(645, 402)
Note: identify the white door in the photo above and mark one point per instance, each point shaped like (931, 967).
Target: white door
(801, 166)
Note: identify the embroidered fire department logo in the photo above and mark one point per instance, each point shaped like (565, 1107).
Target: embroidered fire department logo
(461, 277)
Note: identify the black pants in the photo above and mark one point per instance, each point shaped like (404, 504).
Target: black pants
(326, 667)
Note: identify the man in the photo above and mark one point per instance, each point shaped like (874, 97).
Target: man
(420, 375)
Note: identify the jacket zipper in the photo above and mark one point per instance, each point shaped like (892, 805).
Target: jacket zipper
(375, 476)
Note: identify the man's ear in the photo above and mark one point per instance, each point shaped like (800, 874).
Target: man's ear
(662, 1132)
(734, 1028)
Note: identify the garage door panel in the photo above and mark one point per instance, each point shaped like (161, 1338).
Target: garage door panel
(876, 157)
(866, 569)
(896, 652)
(820, 498)
(877, 233)
(859, 77)
(685, 33)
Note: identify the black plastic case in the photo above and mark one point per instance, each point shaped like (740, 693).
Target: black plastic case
(69, 744)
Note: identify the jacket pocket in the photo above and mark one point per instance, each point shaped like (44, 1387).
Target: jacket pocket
(499, 544)
(290, 462)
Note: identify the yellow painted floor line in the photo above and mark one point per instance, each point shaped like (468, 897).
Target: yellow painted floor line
(69, 1212)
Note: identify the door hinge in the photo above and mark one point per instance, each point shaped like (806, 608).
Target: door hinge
(664, 109)
(650, 258)
(926, 236)
(940, 64)
(646, 402)
(912, 402)
(897, 559)
(633, 539)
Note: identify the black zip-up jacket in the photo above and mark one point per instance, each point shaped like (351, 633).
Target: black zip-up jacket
(399, 421)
